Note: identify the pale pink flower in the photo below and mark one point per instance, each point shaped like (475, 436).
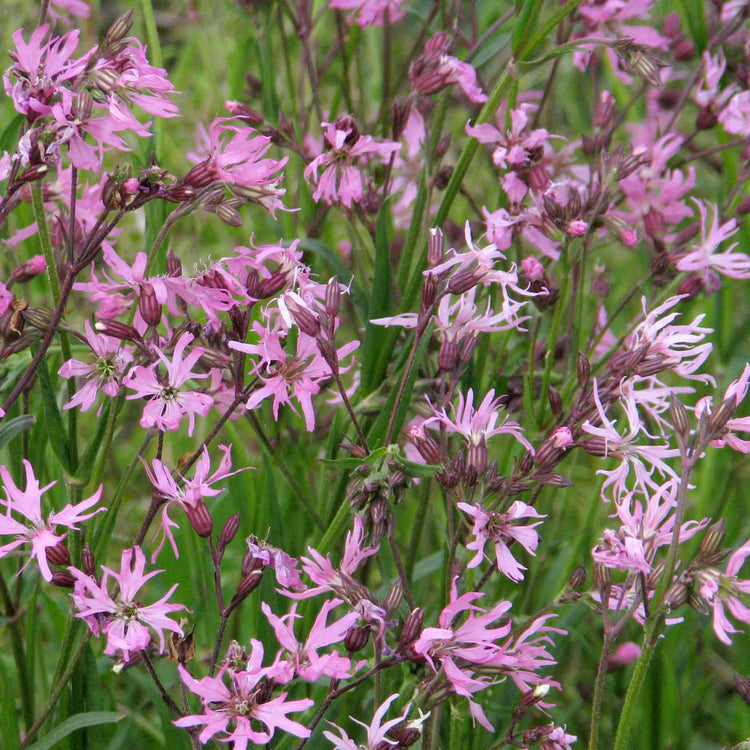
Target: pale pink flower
(340, 180)
(168, 403)
(302, 659)
(370, 12)
(624, 654)
(735, 117)
(737, 388)
(703, 256)
(41, 533)
(377, 730)
(725, 589)
(242, 711)
(103, 375)
(644, 530)
(502, 529)
(124, 620)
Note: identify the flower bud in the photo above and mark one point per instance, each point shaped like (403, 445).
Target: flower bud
(400, 111)
(714, 538)
(677, 595)
(63, 579)
(249, 115)
(577, 578)
(247, 585)
(306, 320)
(555, 401)
(680, 420)
(583, 370)
(394, 597)
(435, 247)
(356, 638)
(201, 175)
(120, 28)
(742, 685)
(228, 532)
(58, 555)
(88, 564)
(333, 297)
(412, 629)
(117, 330)
(605, 110)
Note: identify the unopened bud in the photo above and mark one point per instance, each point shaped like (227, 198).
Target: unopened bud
(333, 297)
(83, 105)
(526, 464)
(412, 628)
(356, 638)
(403, 736)
(174, 265)
(247, 585)
(88, 564)
(583, 369)
(680, 420)
(228, 532)
(182, 193)
(427, 446)
(435, 247)
(399, 117)
(117, 330)
(274, 283)
(58, 554)
(201, 175)
(229, 215)
(120, 28)
(443, 177)
(605, 110)
(249, 115)
(677, 595)
(555, 401)
(714, 538)
(577, 578)
(743, 207)
(33, 173)
(28, 270)
(63, 579)
(250, 563)
(448, 355)
(394, 597)
(306, 320)
(705, 119)
(442, 146)
(602, 575)
(717, 421)
(463, 281)
(199, 517)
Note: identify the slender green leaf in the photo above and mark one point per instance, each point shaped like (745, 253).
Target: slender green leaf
(14, 427)
(92, 451)
(695, 20)
(79, 721)
(9, 136)
(527, 20)
(375, 353)
(378, 430)
(9, 735)
(58, 436)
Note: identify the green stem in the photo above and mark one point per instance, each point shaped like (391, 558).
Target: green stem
(154, 49)
(596, 707)
(37, 202)
(627, 715)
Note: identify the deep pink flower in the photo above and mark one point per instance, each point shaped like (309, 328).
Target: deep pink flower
(41, 533)
(341, 181)
(284, 565)
(124, 620)
(189, 492)
(370, 12)
(242, 710)
(302, 659)
(502, 529)
(167, 402)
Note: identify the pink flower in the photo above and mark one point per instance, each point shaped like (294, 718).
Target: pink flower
(284, 376)
(502, 530)
(189, 493)
(735, 117)
(737, 388)
(124, 620)
(341, 181)
(377, 731)
(624, 654)
(167, 402)
(703, 257)
(478, 425)
(234, 154)
(284, 565)
(104, 374)
(303, 660)
(28, 504)
(370, 12)
(244, 711)
(724, 589)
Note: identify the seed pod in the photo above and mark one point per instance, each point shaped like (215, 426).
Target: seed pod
(228, 532)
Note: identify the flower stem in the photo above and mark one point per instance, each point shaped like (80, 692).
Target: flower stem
(627, 714)
(596, 707)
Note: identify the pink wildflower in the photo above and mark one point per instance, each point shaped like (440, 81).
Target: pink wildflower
(189, 494)
(244, 711)
(724, 589)
(703, 257)
(167, 403)
(735, 117)
(370, 12)
(284, 565)
(377, 731)
(502, 529)
(28, 504)
(737, 389)
(340, 180)
(303, 660)
(104, 374)
(124, 620)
